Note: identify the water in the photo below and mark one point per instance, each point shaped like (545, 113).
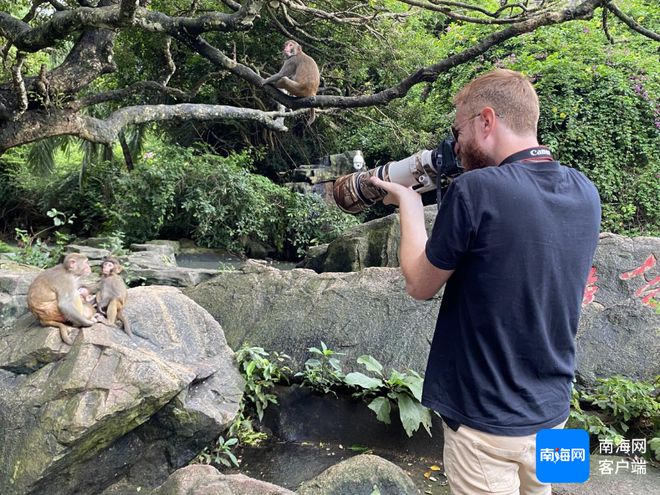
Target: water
(212, 260)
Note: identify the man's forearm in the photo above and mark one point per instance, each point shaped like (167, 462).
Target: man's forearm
(413, 232)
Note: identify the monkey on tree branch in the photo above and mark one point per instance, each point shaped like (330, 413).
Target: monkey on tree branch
(72, 97)
(299, 74)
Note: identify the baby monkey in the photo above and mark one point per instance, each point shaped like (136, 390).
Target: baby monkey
(88, 302)
(112, 293)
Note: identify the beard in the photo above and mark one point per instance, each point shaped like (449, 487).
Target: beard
(472, 157)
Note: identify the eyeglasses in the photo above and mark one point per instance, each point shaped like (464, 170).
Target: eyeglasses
(456, 130)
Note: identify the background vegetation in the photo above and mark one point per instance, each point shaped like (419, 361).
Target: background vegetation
(221, 182)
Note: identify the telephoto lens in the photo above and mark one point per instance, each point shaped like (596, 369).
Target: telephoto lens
(421, 171)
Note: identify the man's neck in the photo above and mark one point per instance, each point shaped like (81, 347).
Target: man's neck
(513, 144)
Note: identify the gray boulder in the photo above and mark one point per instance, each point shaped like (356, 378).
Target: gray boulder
(94, 254)
(159, 248)
(14, 283)
(361, 474)
(206, 480)
(366, 312)
(174, 245)
(369, 312)
(375, 243)
(112, 409)
(158, 267)
(618, 332)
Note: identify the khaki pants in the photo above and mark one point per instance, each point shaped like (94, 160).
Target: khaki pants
(479, 463)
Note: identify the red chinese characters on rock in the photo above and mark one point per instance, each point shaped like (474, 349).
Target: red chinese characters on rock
(591, 289)
(648, 291)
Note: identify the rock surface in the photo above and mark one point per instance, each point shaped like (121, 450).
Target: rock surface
(375, 243)
(14, 283)
(624, 482)
(108, 409)
(369, 312)
(206, 480)
(361, 474)
(618, 333)
(366, 312)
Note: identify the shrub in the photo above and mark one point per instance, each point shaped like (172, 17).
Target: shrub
(175, 192)
(624, 409)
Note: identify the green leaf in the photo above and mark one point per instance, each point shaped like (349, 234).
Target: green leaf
(382, 407)
(358, 379)
(415, 384)
(370, 363)
(413, 414)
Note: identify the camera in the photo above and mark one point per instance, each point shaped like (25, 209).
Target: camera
(424, 171)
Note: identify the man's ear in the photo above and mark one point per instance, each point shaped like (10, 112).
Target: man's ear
(487, 121)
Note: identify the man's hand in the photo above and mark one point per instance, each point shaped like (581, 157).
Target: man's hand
(396, 193)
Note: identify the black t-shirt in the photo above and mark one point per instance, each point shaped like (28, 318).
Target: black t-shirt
(521, 238)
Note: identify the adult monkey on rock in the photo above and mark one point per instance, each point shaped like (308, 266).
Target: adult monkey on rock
(299, 74)
(54, 298)
(112, 293)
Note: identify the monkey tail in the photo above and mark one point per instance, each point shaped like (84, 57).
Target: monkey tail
(312, 117)
(64, 330)
(125, 323)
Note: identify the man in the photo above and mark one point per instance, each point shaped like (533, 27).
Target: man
(514, 240)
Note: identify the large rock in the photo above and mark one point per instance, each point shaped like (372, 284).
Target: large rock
(157, 267)
(618, 332)
(113, 409)
(14, 283)
(206, 480)
(375, 243)
(362, 474)
(369, 312)
(366, 312)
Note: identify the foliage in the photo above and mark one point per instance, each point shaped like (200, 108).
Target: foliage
(242, 428)
(182, 192)
(628, 409)
(323, 372)
(402, 389)
(115, 243)
(600, 103)
(592, 423)
(311, 222)
(631, 405)
(219, 453)
(35, 251)
(260, 374)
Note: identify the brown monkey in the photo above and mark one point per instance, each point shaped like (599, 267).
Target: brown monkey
(112, 293)
(53, 296)
(299, 74)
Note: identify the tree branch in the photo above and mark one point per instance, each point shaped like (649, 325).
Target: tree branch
(169, 62)
(128, 13)
(38, 125)
(628, 21)
(431, 73)
(127, 10)
(19, 85)
(121, 94)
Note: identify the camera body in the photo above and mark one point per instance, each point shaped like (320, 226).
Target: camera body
(424, 171)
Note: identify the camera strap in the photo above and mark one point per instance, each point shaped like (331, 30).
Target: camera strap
(536, 154)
